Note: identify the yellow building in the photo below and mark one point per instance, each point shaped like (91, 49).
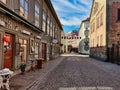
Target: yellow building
(72, 41)
(98, 29)
(105, 30)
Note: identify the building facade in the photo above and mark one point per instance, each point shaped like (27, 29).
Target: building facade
(83, 32)
(72, 41)
(24, 32)
(104, 28)
(63, 43)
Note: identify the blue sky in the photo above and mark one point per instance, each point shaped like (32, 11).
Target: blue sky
(72, 12)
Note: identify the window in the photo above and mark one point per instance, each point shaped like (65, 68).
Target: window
(119, 14)
(44, 21)
(24, 8)
(36, 15)
(101, 19)
(97, 22)
(44, 16)
(36, 49)
(93, 27)
(93, 42)
(48, 25)
(101, 37)
(87, 25)
(4, 1)
(98, 41)
(51, 25)
(23, 50)
(22, 3)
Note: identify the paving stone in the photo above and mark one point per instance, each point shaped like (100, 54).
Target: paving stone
(75, 73)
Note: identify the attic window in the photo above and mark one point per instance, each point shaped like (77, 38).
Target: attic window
(118, 14)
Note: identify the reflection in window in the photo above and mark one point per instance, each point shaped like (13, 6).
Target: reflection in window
(44, 22)
(24, 8)
(51, 25)
(36, 15)
(48, 25)
(36, 50)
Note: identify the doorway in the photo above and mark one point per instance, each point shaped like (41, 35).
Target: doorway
(44, 51)
(8, 51)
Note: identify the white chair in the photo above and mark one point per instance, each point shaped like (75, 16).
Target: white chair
(1, 82)
(6, 83)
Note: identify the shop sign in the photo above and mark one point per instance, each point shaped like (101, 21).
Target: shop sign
(54, 41)
(38, 37)
(25, 32)
(2, 23)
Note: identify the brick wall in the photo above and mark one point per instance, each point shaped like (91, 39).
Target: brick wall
(98, 52)
(114, 26)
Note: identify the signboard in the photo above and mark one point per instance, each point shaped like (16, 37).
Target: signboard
(54, 41)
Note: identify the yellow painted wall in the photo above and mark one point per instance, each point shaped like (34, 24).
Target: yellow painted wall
(93, 19)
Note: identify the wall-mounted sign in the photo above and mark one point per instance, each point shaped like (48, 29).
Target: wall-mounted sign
(25, 32)
(54, 41)
(2, 23)
(38, 37)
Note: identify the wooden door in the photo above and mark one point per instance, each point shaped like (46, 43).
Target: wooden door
(8, 53)
(44, 51)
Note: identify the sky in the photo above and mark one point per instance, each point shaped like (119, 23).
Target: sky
(72, 12)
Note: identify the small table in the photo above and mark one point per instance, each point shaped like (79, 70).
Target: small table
(4, 78)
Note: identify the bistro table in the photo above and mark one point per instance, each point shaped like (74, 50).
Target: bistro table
(5, 75)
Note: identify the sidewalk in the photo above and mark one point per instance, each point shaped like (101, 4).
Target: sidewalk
(24, 82)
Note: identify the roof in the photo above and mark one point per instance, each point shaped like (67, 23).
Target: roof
(48, 2)
(92, 8)
(86, 20)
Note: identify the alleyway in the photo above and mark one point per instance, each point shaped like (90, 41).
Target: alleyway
(75, 73)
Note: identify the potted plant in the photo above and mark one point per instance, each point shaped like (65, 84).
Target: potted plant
(22, 68)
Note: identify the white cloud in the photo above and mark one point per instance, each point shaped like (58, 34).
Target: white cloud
(72, 13)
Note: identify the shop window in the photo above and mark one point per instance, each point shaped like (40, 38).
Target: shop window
(36, 49)
(44, 22)
(32, 46)
(23, 51)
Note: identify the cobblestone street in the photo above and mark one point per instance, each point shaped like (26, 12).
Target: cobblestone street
(80, 73)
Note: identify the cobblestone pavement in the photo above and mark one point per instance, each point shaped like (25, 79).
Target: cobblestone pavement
(23, 82)
(81, 73)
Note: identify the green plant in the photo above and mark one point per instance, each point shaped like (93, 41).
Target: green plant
(22, 67)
